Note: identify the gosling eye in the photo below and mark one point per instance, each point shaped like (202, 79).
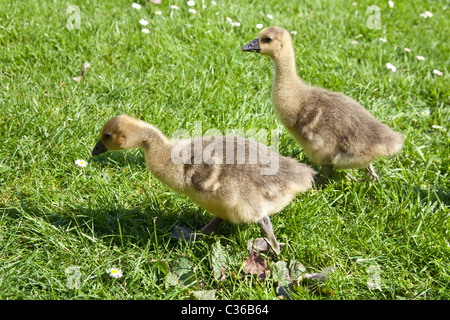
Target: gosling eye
(267, 39)
(107, 135)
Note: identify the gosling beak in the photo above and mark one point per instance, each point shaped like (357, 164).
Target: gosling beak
(252, 46)
(99, 148)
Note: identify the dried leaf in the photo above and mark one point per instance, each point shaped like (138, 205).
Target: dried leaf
(255, 264)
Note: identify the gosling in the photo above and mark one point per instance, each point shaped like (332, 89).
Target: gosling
(233, 178)
(334, 130)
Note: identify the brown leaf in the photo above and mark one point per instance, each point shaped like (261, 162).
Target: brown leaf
(255, 264)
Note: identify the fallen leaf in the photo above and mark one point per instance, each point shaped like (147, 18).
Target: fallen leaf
(255, 264)
(219, 261)
(297, 271)
(281, 277)
(182, 273)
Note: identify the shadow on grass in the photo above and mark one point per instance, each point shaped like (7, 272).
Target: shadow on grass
(119, 226)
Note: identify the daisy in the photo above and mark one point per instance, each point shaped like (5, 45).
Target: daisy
(391, 67)
(259, 26)
(143, 22)
(192, 10)
(420, 58)
(115, 273)
(145, 30)
(136, 6)
(391, 4)
(437, 72)
(175, 7)
(191, 3)
(354, 42)
(236, 24)
(270, 16)
(426, 113)
(426, 14)
(436, 126)
(293, 32)
(383, 39)
(158, 12)
(80, 163)
(407, 49)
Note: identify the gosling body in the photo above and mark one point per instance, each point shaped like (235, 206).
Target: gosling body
(221, 174)
(334, 130)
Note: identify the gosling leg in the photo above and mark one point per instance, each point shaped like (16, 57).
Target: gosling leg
(266, 227)
(370, 171)
(211, 226)
(324, 175)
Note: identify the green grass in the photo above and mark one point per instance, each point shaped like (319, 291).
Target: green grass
(113, 213)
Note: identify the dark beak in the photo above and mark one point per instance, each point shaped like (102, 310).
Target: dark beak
(99, 148)
(252, 46)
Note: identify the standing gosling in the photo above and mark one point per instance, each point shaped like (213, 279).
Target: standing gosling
(233, 178)
(333, 129)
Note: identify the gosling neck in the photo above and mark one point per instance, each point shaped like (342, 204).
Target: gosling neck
(285, 68)
(156, 147)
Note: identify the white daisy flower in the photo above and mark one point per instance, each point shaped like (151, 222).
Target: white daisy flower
(143, 22)
(80, 163)
(236, 24)
(191, 3)
(391, 67)
(420, 58)
(437, 72)
(259, 26)
(229, 19)
(407, 49)
(354, 42)
(136, 6)
(383, 39)
(391, 4)
(426, 113)
(294, 32)
(175, 7)
(434, 126)
(115, 273)
(145, 30)
(270, 16)
(192, 10)
(426, 14)
(158, 12)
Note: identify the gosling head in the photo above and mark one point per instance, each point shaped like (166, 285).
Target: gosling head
(271, 41)
(116, 134)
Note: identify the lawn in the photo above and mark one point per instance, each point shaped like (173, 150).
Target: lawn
(63, 226)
